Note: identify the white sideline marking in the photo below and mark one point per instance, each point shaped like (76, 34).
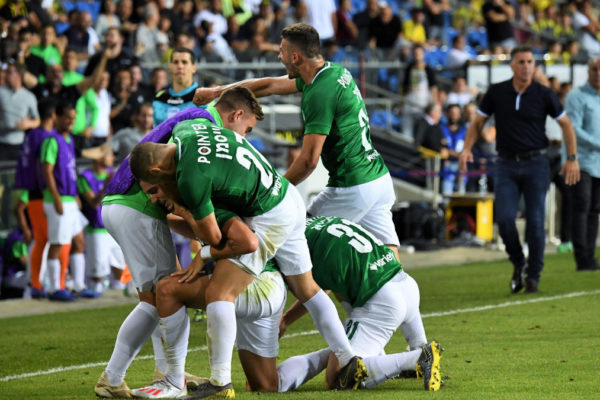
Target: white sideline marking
(314, 332)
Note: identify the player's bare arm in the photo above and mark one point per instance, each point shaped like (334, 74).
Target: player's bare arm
(260, 87)
(307, 161)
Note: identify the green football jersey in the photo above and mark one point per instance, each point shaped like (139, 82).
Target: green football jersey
(217, 167)
(348, 259)
(332, 105)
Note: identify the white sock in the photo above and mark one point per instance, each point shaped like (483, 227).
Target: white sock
(77, 263)
(53, 266)
(414, 333)
(98, 287)
(160, 359)
(176, 331)
(382, 368)
(116, 284)
(220, 334)
(298, 370)
(133, 334)
(328, 323)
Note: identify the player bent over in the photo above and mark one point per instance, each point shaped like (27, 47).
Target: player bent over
(208, 164)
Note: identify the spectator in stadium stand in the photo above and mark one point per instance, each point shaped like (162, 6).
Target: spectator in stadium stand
(106, 19)
(434, 18)
(520, 106)
(587, 28)
(35, 67)
(213, 15)
(428, 132)
(38, 15)
(10, 43)
(128, 26)
(460, 93)
(183, 18)
(498, 15)
(321, 16)
(583, 108)
(159, 79)
(118, 57)
(47, 49)
(122, 102)
(141, 91)
(454, 132)
(347, 32)
(13, 10)
(125, 139)
(458, 56)
(146, 38)
(18, 113)
(419, 89)
(385, 29)
(414, 28)
(363, 20)
(55, 89)
(77, 35)
(299, 14)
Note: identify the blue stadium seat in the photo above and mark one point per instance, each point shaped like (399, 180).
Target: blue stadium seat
(93, 7)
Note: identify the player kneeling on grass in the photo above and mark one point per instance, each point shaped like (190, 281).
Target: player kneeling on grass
(259, 307)
(378, 296)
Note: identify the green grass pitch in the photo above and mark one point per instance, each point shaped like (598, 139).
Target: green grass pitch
(497, 345)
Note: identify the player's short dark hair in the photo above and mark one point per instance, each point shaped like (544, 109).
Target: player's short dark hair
(304, 37)
(63, 107)
(240, 97)
(141, 159)
(521, 49)
(45, 108)
(183, 50)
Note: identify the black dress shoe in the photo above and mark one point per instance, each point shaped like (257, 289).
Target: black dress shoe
(531, 286)
(589, 268)
(518, 281)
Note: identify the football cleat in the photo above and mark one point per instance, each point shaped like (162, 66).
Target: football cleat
(62, 295)
(38, 293)
(105, 390)
(87, 294)
(192, 381)
(428, 366)
(352, 375)
(209, 391)
(160, 390)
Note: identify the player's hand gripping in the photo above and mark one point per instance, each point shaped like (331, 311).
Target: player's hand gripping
(192, 270)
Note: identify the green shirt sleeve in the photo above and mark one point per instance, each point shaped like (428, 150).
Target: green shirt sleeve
(19, 249)
(24, 196)
(92, 103)
(83, 186)
(196, 194)
(49, 150)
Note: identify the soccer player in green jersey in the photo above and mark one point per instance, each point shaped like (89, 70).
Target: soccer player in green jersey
(336, 129)
(378, 296)
(140, 228)
(217, 167)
